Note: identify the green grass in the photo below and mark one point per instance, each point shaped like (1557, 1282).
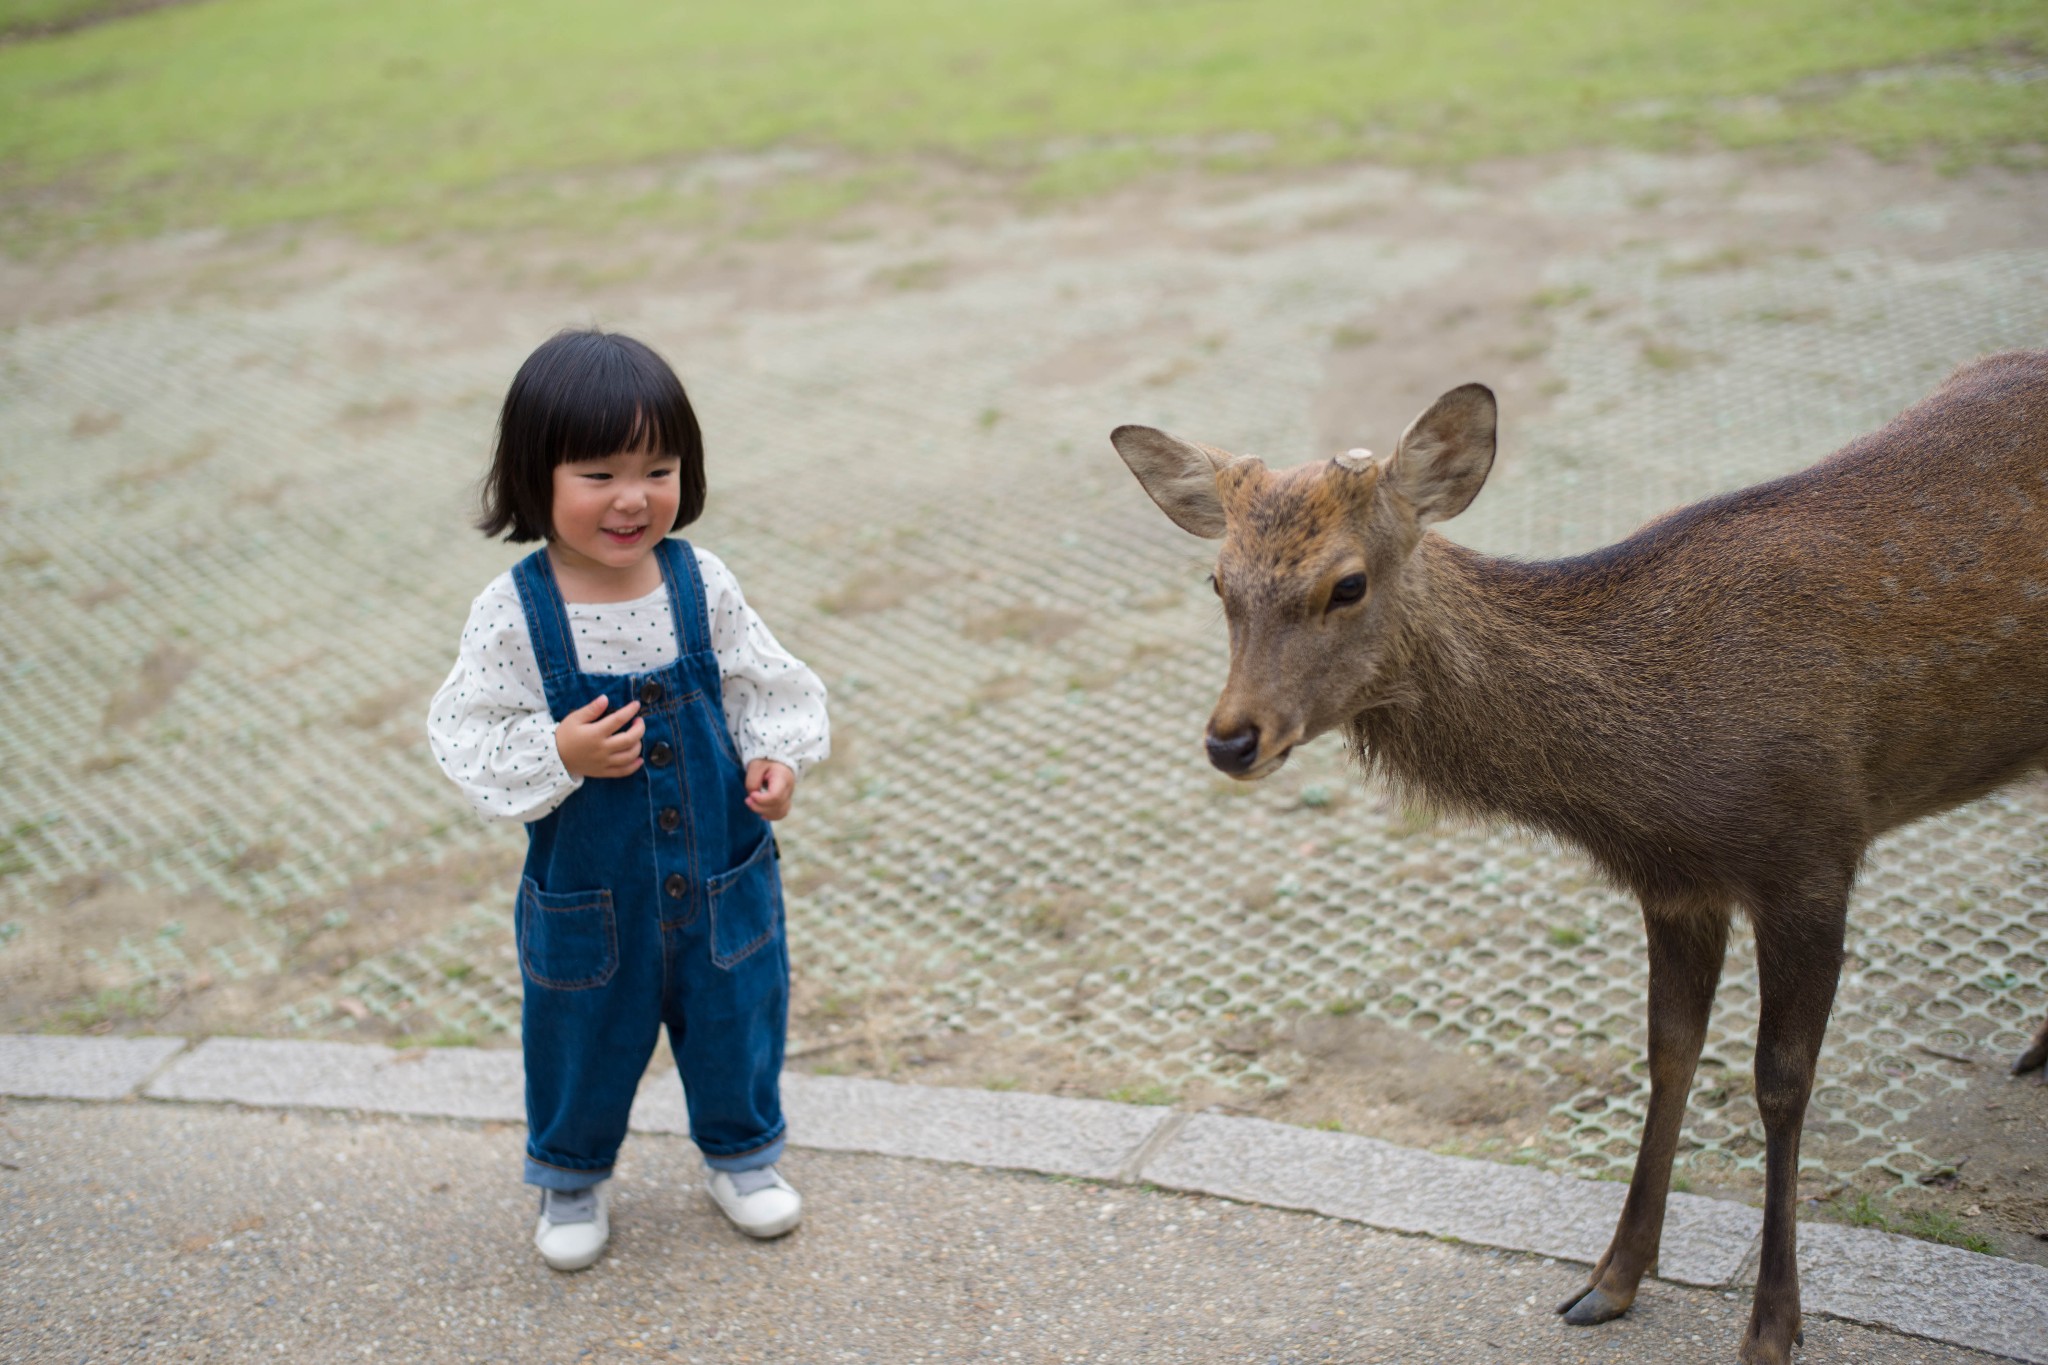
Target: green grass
(103, 1009)
(444, 1038)
(399, 117)
(1932, 1225)
(1143, 1094)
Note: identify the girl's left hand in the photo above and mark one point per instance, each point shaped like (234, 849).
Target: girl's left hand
(771, 786)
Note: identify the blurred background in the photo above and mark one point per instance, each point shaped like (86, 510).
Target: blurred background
(269, 265)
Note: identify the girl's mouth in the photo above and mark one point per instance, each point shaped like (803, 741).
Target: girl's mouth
(623, 537)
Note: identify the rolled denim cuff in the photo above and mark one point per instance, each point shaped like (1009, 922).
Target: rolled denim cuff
(748, 1161)
(560, 1178)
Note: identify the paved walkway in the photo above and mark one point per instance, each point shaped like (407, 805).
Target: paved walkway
(247, 1198)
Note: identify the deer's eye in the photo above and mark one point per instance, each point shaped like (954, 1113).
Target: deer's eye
(1214, 586)
(1348, 589)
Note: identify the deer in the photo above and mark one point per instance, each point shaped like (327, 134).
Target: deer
(1722, 710)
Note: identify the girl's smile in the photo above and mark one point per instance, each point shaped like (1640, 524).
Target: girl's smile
(608, 513)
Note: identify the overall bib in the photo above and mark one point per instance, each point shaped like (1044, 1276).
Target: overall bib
(648, 900)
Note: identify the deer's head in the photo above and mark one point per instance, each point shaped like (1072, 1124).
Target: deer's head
(1313, 563)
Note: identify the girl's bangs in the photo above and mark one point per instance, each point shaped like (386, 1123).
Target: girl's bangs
(627, 404)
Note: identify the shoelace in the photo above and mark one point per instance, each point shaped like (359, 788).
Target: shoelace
(569, 1206)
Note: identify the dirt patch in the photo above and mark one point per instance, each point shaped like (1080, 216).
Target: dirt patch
(1026, 625)
(370, 415)
(1990, 1141)
(86, 14)
(1002, 687)
(196, 452)
(94, 422)
(157, 678)
(876, 590)
(1348, 1072)
(69, 972)
(112, 590)
(381, 708)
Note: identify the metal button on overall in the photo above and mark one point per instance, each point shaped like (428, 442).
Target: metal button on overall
(660, 754)
(669, 818)
(650, 692)
(675, 886)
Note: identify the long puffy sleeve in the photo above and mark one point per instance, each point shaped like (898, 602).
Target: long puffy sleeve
(489, 725)
(774, 704)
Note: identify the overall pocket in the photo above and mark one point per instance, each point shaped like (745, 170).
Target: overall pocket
(568, 940)
(746, 905)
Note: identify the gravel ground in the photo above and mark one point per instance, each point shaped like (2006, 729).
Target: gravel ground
(191, 1233)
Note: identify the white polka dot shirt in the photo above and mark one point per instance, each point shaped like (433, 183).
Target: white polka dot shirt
(490, 728)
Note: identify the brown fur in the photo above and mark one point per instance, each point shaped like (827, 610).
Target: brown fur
(1723, 710)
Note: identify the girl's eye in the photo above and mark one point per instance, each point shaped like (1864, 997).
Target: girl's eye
(598, 475)
(1347, 590)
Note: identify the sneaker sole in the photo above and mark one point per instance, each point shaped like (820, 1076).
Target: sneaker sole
(580, 1261)
(759, 1231)
(571, 1264)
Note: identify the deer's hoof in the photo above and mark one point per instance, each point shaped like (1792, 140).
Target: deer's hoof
(1758, 1351)
(1594, 1306)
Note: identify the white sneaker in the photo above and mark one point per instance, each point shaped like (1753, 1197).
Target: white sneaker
(760, 1203)
(574, 1226)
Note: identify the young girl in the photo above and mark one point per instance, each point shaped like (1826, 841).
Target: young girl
(615, 692)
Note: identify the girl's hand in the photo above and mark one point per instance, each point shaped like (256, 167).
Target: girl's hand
(770, 788)
(592, 744)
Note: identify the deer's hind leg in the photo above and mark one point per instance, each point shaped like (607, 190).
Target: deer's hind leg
(1688, 939)
(1799, 963)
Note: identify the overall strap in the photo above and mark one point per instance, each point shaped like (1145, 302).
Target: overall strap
(547, 625)
(685, 596)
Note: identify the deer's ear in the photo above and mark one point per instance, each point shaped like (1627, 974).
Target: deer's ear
(1445, 454)
(1180, 476)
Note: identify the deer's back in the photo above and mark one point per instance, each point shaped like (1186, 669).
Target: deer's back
(1845, 649)
(1889, 604)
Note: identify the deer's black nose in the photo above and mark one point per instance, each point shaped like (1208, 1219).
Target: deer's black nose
(1233, 753)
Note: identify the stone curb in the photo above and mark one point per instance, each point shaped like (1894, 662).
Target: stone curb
(1377, 1183)
(1900, 1283)
(80, 1068)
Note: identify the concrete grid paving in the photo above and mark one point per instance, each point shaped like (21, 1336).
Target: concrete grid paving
(236, 566)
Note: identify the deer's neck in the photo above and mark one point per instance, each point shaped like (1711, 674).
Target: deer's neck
(1502, 694)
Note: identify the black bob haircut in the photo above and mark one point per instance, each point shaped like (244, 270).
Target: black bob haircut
(584, 395)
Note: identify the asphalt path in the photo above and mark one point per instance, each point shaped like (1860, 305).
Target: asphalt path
(150, 1231)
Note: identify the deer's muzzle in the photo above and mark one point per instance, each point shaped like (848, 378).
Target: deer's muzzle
(1234, 753)
(1238, 752)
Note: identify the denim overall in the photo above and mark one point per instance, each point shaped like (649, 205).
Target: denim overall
(648, 900)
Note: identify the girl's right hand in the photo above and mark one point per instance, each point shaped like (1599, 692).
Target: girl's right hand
(592, 744)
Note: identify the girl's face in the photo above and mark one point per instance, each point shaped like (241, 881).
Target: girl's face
(610, 512)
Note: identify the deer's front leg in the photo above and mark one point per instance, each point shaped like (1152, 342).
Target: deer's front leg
(1799, 960)
(1688, 938)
